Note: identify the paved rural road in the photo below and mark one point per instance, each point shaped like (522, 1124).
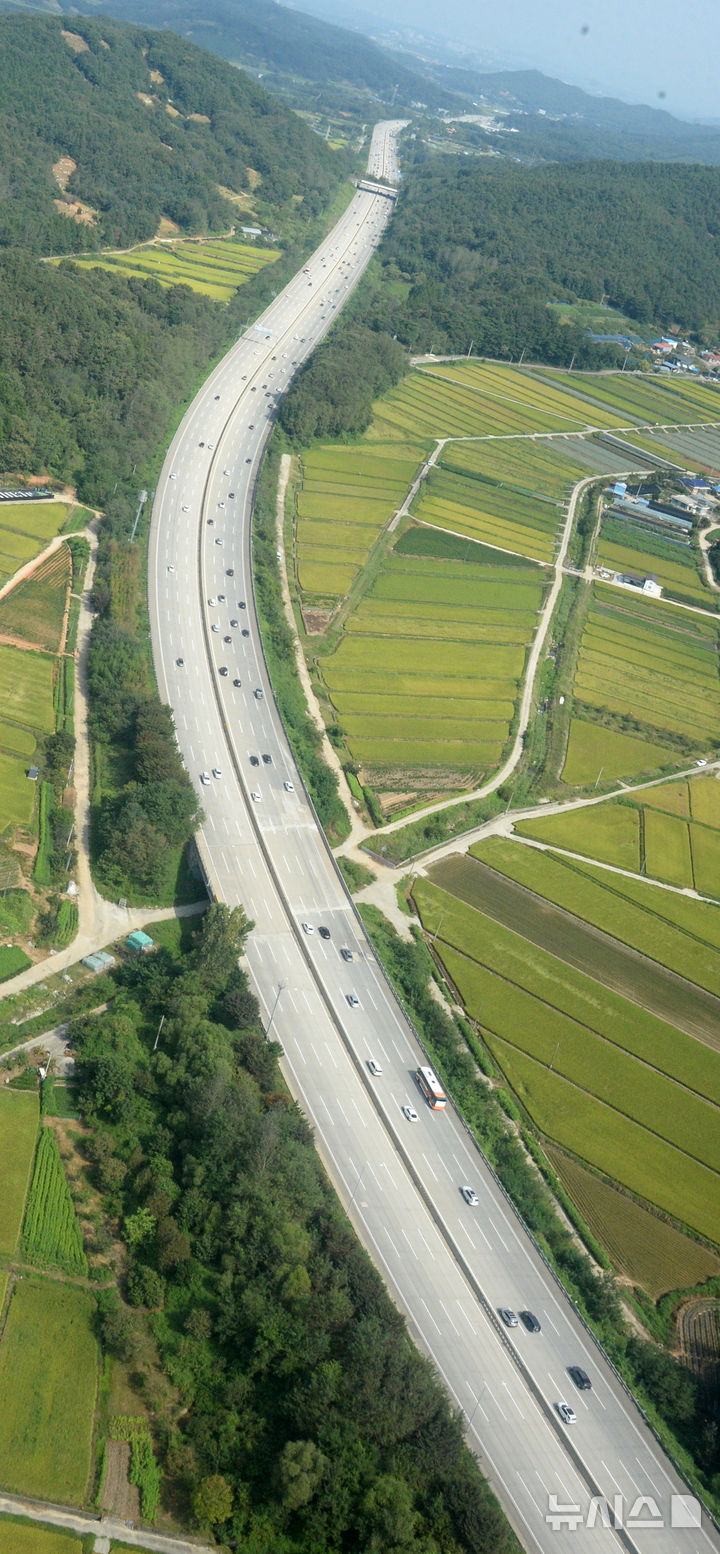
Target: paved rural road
(448, 1266)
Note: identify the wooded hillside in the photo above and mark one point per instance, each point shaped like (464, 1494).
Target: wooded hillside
(155, 128)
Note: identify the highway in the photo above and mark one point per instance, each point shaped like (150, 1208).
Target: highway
(449, 1266)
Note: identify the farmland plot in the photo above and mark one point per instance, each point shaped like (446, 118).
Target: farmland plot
(621, 1088)
(214, 269)
(48, 1391)
(594, 752)
(347, 497)
(51, 1235)
(19, 1118)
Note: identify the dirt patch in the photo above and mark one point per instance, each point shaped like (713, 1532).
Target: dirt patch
(157, 78)
(174, 114)
(316, 622)
(85, 214)
(63, 170)
(119, 1496)
(166, 227)
(75, 42)
(198, 118)
(150, 102)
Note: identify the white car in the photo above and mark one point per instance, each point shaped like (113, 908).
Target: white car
(288, 786)
(171, 568)
(255, 796)
(204, 778)
(211, 602)
(173, 476)
(470, 1196)
(186, 509)
(374, 1067)
(217, 772)
(567, 1414)
(215, 626)
(308, 928)
(410, 1113)
(353, 1000)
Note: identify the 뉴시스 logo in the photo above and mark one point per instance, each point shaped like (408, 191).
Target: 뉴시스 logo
(644, 1512)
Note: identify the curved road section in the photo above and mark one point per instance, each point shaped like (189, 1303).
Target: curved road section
(601, 1481)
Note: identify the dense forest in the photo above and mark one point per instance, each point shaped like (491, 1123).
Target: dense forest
(485, 245)
(155, 126)
(294, 1414)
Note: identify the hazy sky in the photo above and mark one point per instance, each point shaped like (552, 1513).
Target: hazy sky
(662, 52)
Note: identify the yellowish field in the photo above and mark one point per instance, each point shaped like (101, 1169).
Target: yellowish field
(214, 269)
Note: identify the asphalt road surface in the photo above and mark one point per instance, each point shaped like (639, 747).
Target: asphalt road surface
(449, 1266)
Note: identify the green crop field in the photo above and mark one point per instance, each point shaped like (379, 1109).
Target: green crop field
(35, 608)
(428, 670)
(601, 899)
(538, 467)
(498, 516)
(26, 688)
(649, 1251)
(19, 1117)
(667, 849)
(621, 1088)
(214, 269)
(675, 576)
(639, 399)
(29, 1538)
(51, 1234)
(346, 498)
(663, 674)
(608, 832)
(594, 752)
(17, 793)
(48, 1390)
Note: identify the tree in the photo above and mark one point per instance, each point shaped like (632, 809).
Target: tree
(213, 1500)
(300, 1472)
(217, 945)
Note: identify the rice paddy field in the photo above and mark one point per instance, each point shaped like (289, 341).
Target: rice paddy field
(35, 608)
(594, 752)
(25, 528)
(48, 1390)
(673, 565)
(620, 1088)
(18, 1537)
(496, 514)
(652, 664)
(215, 269)
(26, 699)
(669, 833)
(640, 399)
(427, 671)
(456, 399)
(648, 1250)
(19, 1120)
(346, 498)
(669, 929)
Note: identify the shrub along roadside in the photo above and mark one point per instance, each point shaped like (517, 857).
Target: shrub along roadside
(278, 642)
(673, 1397)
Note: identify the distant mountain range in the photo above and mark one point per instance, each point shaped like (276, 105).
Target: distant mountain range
(556, 122)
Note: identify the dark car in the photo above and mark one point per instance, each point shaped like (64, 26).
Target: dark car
(227, 639)
(530, 1321)
(231, 496)
(223, 671)
(245, 632)
(233, 623)
(324, 933)
(254, 760)
(237, 683)
(180, 663)
(230, 572)
(241, 604)
(268, 760)
(580, 1377)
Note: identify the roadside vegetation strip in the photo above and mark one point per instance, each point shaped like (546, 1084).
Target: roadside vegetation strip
(598, 901)
(51, 1234)
(492, 954)
(648, 1250)
(48, 1390)
(19, 1119)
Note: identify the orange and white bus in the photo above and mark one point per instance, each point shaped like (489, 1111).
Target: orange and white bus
(431, 1089)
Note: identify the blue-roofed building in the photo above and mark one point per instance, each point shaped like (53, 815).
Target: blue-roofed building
(139, 943)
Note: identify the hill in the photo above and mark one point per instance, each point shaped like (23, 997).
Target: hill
(139, 126)
(484, 246)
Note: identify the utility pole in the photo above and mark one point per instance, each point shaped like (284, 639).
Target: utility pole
(472, 342)
(280, 989)
(157, 1038)
(599, 775)
(555, 1053)
(142, 499)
